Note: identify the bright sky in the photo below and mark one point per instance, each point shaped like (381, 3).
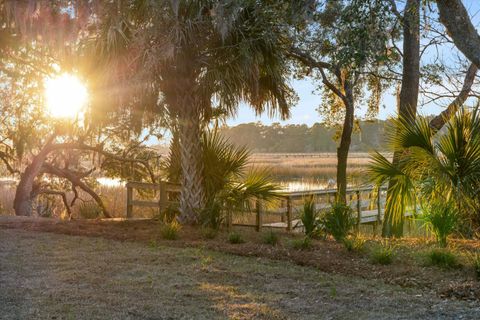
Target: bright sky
(305, 111)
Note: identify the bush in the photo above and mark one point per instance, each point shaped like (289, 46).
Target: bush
(209, 233)
(270, 238)
(383, 254)
(89, 210)
(476, 264)
(442, 258)
(441, 218)
(170, 213)
(309, 217)
(338, 221)
(212, 215)
(170, 230)
(302, 244)
(354, 244)
(235, 238)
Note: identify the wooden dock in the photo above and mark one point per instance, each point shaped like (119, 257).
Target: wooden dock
(367, 204)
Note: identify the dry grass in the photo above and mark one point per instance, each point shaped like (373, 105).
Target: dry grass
(55, 276)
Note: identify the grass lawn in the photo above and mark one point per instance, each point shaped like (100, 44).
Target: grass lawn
(57, 276)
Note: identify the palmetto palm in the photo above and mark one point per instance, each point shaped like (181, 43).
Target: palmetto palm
(195, 55)
(443, 166)
(229, 185)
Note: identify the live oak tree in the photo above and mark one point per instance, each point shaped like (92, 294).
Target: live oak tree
(346, 48)
(57, 156)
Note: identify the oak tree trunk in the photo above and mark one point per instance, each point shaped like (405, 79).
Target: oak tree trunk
(22, 203)
(344, 146)
(407, 108)
(459, 26)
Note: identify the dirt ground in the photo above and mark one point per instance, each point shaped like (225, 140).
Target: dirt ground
(79, 269)
(52, 276)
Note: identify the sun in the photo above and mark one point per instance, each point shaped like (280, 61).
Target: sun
(66, 96)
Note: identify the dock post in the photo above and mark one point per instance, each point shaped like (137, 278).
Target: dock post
(379, 208)
(258, 224)
(129, 201)
(163, 201)
(359, 210)
(289, 214)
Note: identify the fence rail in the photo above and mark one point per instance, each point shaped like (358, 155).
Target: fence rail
(368, 210)
(162, 203)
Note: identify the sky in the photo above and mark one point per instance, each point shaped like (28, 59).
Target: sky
(304, 112)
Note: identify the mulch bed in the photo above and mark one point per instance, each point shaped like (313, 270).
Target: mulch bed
(326, 255)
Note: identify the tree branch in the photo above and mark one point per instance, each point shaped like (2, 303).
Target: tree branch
(59, 193)
(439, 121)
(455, 18)
(76, 181)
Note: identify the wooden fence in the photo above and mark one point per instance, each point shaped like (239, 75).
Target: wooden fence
(167, 194)
(368, 209)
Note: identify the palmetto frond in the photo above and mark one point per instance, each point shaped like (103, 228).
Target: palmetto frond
(446, 166)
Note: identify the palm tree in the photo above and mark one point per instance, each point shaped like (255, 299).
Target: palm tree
(443, 167)
(205, 53)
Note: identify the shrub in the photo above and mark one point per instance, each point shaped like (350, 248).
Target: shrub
(212, 215)
(383, 254)
(170, 213)
(441, 218)
(235, 238)
(270, 238)
(354, 244)
(170, 230)
(209, 233)
(89, 210)
(442, 258)
(476, 264)
(338, 221)
(309, 217)
(304, 243)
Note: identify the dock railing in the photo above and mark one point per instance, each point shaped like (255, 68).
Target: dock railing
(367, 203)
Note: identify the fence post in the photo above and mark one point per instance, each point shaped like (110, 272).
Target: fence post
(289, 214)
(129, 200)
(163, 201)
(258, 226)
(359, 210)
(379, 208)
(282, 205)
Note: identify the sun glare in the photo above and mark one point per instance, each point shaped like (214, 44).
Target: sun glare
(66, 96)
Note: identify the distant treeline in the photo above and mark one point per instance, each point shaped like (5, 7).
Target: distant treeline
(301, 138)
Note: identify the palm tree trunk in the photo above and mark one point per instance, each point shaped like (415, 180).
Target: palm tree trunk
(190, 143)
(407, 108)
